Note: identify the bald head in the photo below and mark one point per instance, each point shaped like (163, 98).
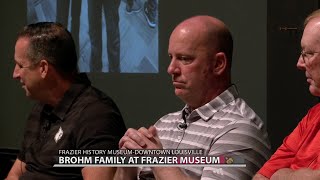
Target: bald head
(315, 14)
(312, 28)
(210, 32)
(202, 22)
(200, 50)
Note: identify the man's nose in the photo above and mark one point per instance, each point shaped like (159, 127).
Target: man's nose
(16, 72)
(301, 64)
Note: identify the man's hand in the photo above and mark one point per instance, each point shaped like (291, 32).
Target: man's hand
(152, 141)
(137, 139)
(140, 139)
(148, 139)
(132, 139)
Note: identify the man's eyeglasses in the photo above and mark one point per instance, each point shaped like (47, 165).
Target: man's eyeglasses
(307, 55)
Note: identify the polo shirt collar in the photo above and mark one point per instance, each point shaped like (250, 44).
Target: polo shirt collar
(81, 83)
(208, 110)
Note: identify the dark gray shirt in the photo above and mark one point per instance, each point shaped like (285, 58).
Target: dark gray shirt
(84, 119)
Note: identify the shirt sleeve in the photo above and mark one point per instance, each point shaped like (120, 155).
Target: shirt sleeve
(284, 155)
(31, 132)
(100, 127)
(244, 140)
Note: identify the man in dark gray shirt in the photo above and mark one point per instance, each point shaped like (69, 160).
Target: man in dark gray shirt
(70, 113)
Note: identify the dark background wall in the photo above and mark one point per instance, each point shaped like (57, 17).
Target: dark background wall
(144, 98)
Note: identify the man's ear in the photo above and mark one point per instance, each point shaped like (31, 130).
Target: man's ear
(44, 67)
(220, 64)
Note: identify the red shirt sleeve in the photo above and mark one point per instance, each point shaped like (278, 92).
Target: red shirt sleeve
(285, 154)
(297, 148)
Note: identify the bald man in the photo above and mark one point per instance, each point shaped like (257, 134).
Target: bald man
(214, 118)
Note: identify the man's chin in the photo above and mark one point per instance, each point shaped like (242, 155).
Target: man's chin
(315, 91)
(179, 92)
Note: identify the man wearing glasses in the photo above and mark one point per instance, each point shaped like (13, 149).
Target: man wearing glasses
(298, 156)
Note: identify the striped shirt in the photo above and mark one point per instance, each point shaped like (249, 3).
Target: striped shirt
(224, 126)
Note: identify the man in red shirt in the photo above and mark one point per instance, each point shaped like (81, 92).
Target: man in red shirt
(298, 156)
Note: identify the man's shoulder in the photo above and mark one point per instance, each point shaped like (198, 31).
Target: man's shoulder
(94, 97)
(244, 110)
(315, 108)
(313, 115)
(94, 105)
(95, 110)
(238, 114)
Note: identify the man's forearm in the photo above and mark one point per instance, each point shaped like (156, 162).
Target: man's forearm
(165, 173)
(301, 174)
(259, 177)
(17, 170)
(92, 173)
(126, 173)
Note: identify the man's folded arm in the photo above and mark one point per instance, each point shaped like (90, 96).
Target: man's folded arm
(126, 173)
(165, 173)
(92, 173)
(301, 174)
(284, 155)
